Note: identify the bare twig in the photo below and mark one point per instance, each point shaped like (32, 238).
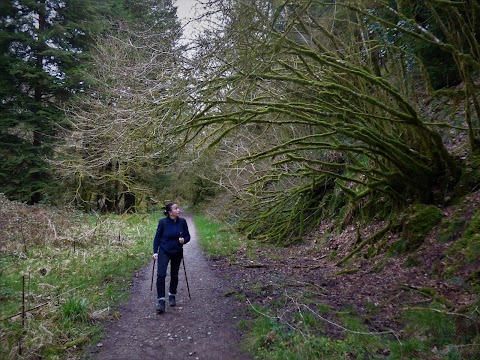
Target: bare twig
(439, 311)
(43, 304)
(277, 318)
(299, 306)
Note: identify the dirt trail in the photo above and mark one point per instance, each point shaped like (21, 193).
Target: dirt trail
(202, 327)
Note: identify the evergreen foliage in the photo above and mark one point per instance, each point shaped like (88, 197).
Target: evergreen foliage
(42, 46)
(310, 109)
(46, 58)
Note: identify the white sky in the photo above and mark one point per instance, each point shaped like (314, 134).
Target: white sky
(186, 10)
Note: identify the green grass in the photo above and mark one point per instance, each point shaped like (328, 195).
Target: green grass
(276, 332)
(215, 238)
(464, 254)
(283, 330)
(64, 286)
(437, 328)
(450, 230)
(303, 336)
(291, 332)
(470, 241)
(75, 310)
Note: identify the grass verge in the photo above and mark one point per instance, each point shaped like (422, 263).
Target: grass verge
(215, 238)
(296, 331)
(298, 326)
(69, 281)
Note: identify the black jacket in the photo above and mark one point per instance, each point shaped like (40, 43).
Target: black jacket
(168, 232)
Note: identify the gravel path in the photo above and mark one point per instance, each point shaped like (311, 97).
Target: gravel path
(203, 327)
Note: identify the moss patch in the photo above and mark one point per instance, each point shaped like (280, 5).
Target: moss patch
(470, 177)
(469, 244)
(464, 254)
(450, 230)
(418, 223)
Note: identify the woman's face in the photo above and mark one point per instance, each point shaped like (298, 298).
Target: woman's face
(174, 211)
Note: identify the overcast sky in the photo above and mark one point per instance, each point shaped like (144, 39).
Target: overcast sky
(185, 7)
(185, 12)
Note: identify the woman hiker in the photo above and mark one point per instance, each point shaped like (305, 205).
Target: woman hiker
(172, 233)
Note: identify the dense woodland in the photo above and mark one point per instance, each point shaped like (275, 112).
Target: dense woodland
(275, 116)
(302, 109)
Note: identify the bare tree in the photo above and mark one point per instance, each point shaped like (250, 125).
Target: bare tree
(121, 130)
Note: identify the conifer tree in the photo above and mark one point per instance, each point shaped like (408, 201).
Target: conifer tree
(42, 46)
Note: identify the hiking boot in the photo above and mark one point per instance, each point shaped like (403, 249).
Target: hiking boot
(171, 300)
(161, 306)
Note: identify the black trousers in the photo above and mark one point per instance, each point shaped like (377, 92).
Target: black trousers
(163, 260)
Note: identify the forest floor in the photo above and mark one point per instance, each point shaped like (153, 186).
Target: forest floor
(377, 289)
(224, 289)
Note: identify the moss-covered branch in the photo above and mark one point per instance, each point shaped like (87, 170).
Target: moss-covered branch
(328, 106)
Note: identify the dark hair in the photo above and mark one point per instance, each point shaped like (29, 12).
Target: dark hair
(168, 208)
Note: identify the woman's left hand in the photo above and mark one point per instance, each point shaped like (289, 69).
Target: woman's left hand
(181, 240)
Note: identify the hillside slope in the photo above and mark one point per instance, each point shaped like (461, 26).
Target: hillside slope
(429, 295)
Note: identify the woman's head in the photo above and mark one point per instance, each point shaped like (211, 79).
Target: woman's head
(172, 210)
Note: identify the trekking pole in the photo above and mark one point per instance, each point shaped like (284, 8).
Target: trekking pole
(153, 270)
(186, 279)
(185, 271)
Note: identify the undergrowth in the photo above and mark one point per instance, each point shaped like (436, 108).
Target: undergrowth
(70, 280)
(299, 326)
(298, 331)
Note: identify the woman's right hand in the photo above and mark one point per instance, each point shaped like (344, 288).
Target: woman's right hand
(155, 256)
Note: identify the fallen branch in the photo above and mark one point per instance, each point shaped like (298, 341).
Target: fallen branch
(261, 265)
(252, 265)
(440, 311)
(390, 299)
(313, 267)
(325, 320)
(75, 342)
(343, 272)
(276, 318)
(344, 328)
(306, 284)
(428, 293)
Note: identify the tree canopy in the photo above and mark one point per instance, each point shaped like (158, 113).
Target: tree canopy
(47, 53)
(330, 101)
(42, 45)
(302, 109)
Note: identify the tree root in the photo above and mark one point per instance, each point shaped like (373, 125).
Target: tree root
(378, 235)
